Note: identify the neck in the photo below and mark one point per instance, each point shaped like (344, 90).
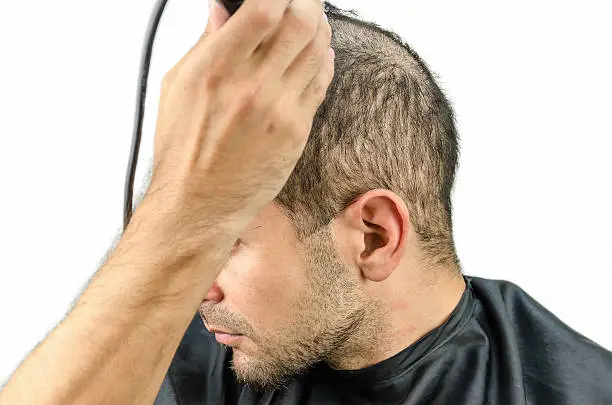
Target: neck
(401, 310)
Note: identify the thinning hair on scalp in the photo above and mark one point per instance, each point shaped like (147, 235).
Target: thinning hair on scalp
(385, 123)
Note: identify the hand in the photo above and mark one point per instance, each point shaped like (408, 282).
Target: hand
(236, 111)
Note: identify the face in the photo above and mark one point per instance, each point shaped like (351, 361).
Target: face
(295, 304)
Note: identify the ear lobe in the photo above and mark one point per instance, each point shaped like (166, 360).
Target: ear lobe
(378, 272)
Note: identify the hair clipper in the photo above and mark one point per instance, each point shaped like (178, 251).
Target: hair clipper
(231, 5)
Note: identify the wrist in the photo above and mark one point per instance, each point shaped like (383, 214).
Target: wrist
(169, 238)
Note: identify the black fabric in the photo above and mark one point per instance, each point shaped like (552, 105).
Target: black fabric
(499, 347)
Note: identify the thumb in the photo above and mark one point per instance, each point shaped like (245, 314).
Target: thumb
(217, 17)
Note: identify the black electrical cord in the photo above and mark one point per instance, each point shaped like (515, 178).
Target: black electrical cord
(145, 64)
(158, 11)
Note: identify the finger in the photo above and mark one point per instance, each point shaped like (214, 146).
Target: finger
(217, 17)
(316, 91)
(243, 32)
(306, 66)
(298, 28)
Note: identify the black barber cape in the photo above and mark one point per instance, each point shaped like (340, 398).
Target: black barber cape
(498, 347)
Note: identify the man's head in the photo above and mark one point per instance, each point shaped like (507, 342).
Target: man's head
(367, 208)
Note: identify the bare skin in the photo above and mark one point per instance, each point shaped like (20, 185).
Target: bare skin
(354, 294)
(234, 117)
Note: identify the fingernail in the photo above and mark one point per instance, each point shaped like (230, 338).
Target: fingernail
(332, 53)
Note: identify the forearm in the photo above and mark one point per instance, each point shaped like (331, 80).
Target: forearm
(117, 343)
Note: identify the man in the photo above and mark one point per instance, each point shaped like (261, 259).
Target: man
(313, 243)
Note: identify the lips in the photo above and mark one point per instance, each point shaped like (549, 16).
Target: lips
(223, 332)
(223, 336)
(226, 339)
(219, 330)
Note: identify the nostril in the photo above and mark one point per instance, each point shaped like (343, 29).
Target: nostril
(214, 293)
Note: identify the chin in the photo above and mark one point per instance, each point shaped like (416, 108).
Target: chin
(256, 373)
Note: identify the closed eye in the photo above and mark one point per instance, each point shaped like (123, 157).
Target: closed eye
(237, 245)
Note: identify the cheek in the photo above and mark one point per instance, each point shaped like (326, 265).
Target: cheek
(266, 290)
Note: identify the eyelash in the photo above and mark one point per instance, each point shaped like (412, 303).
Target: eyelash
(238, 243)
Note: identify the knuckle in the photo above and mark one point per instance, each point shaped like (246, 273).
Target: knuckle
(206, 73)
(212, 81)
(304, 23)
(262, 16)
(248, 100)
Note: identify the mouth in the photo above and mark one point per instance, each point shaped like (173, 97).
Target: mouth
(227, 338)
(220, 332)
(223, 332)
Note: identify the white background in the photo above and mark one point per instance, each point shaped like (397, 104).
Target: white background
(530, 82)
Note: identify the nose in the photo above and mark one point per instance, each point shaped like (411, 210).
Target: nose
(214, 293)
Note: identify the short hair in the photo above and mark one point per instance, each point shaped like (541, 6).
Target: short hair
(385, 123)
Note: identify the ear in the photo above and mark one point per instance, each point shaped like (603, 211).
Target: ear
(374, 232)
